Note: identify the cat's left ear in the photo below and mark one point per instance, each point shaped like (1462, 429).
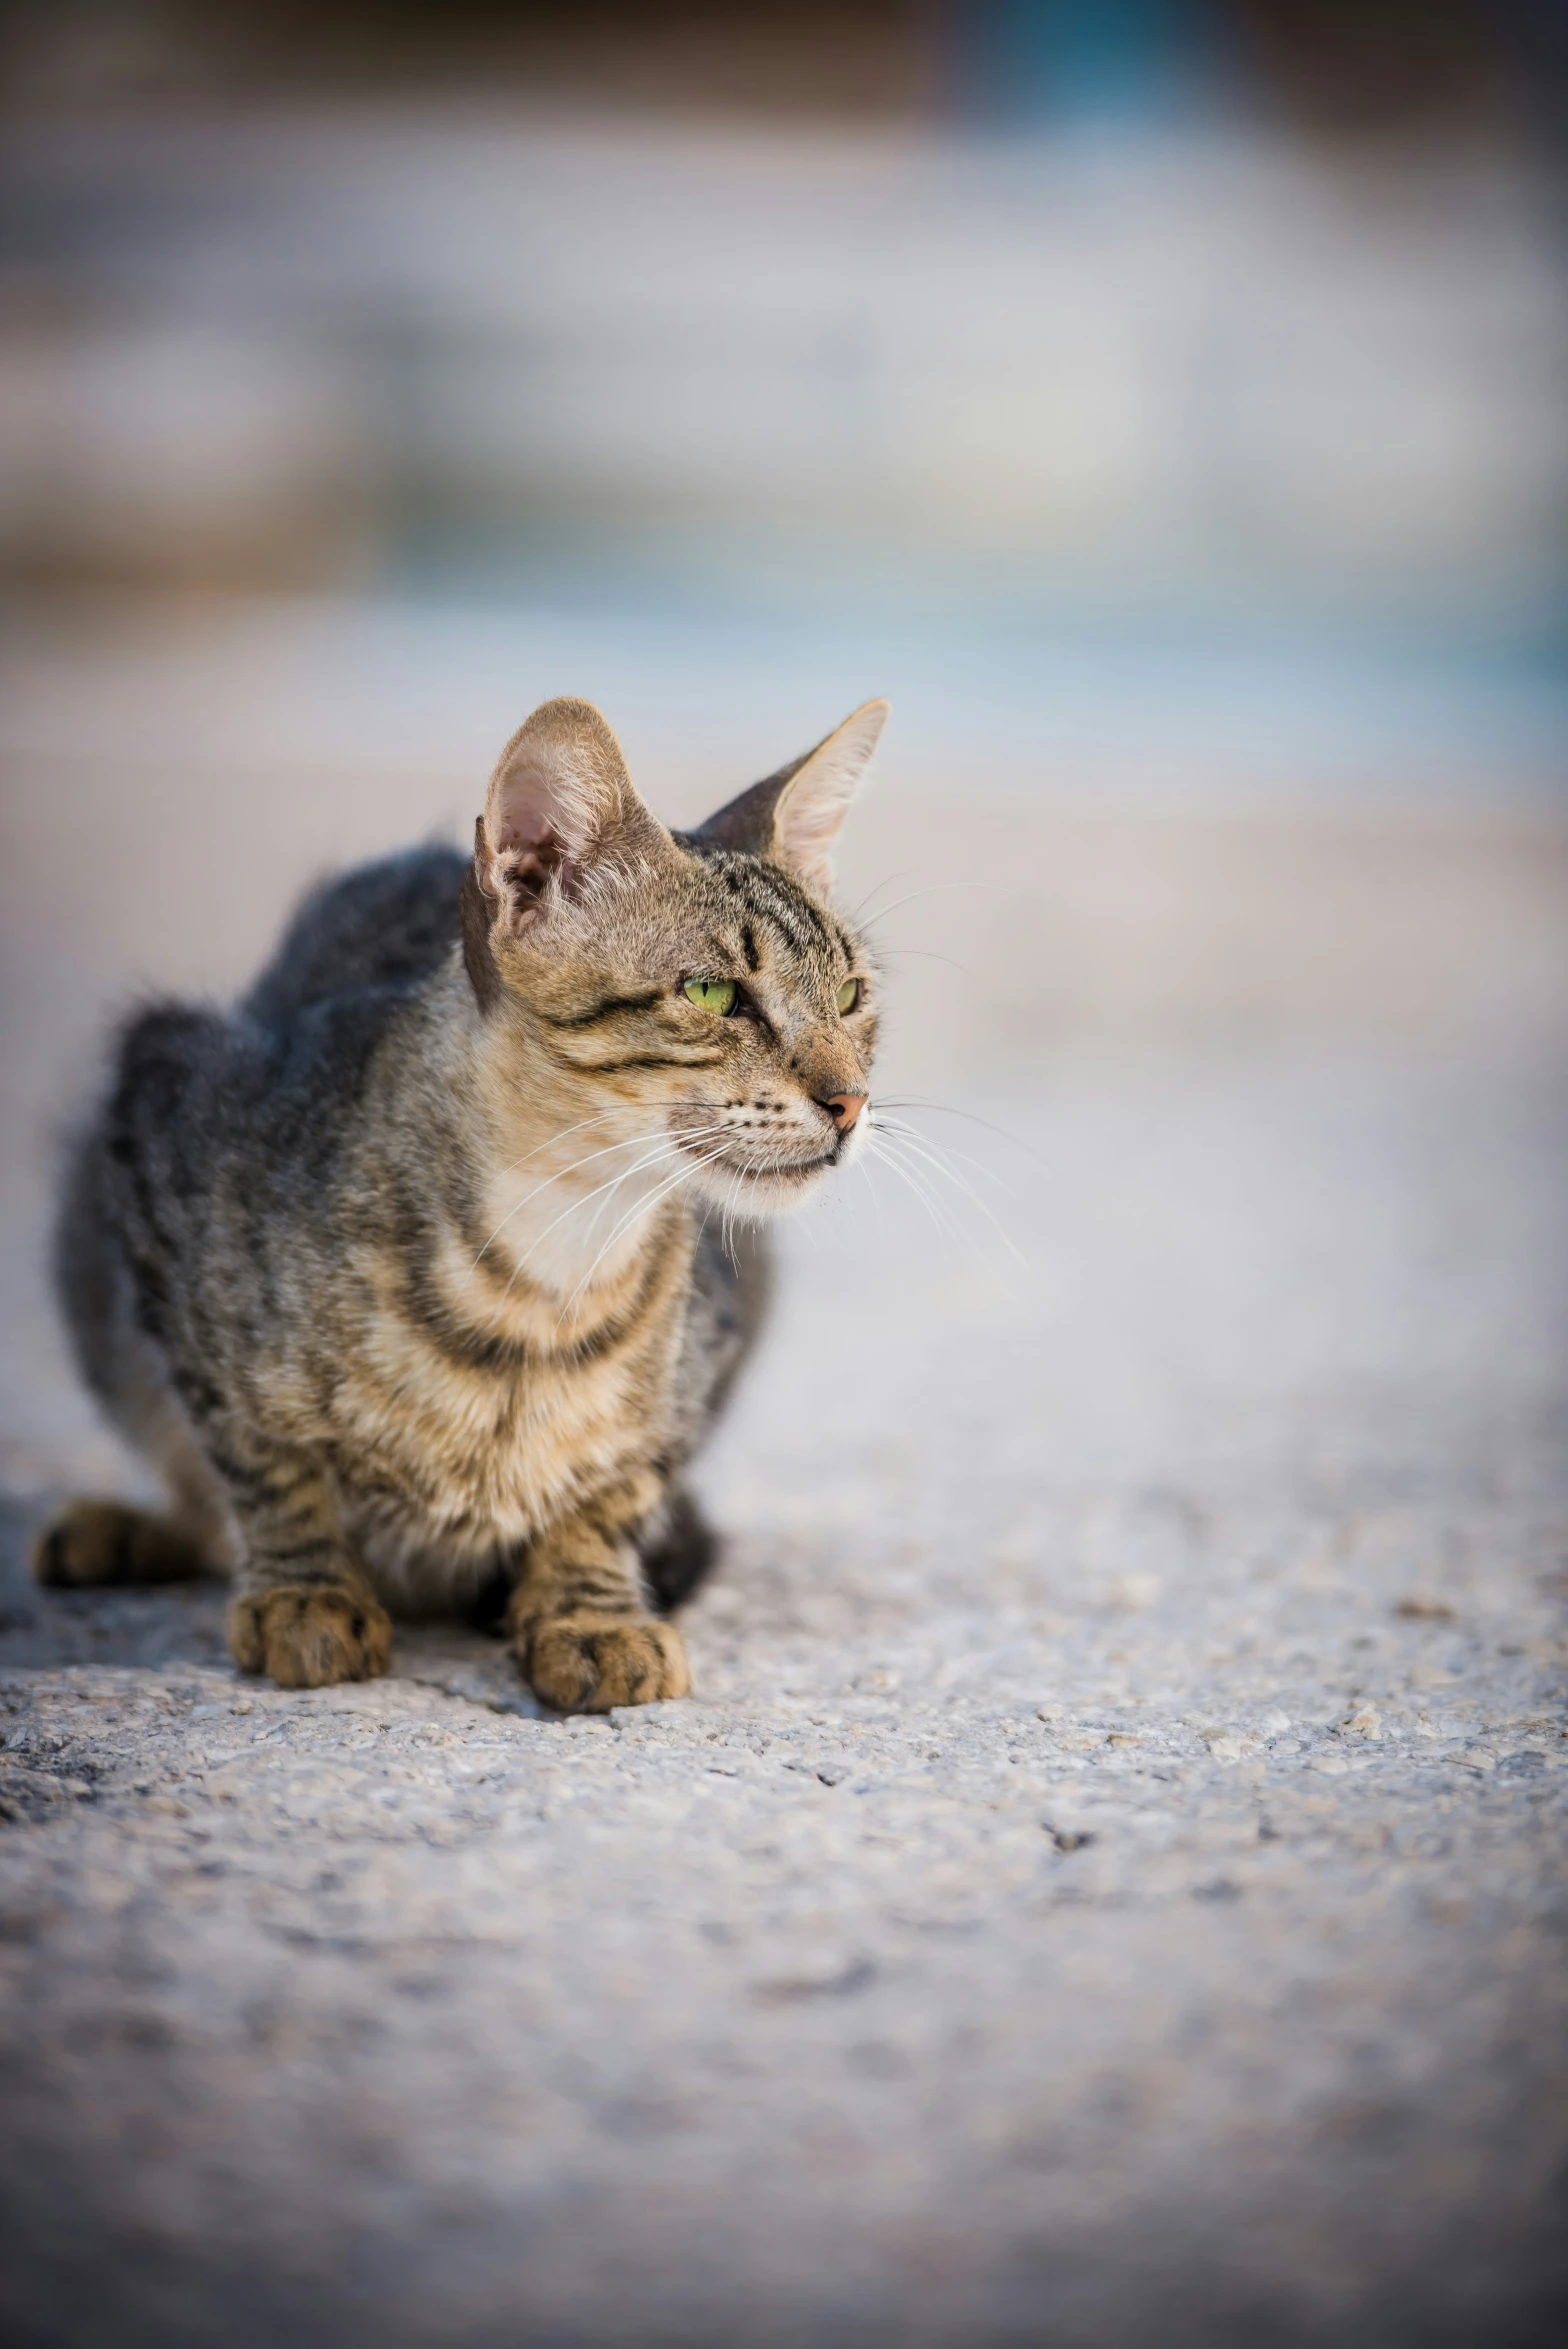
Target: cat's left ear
(795, 816)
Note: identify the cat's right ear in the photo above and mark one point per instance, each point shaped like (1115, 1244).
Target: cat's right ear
(560, 807)
(560, 801)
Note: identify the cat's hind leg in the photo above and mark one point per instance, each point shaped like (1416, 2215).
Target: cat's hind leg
(92, 1543)
(95, 1542)
(678, 1549)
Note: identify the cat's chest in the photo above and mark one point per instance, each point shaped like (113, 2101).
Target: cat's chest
(560, 1432)
(475, 1447)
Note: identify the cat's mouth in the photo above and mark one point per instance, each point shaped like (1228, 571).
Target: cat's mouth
(758, 1170)
(760, 1186)
(802, 1172)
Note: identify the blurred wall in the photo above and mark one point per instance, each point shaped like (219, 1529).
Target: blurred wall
(1166, 403)
(314, 349)
(1026, 300)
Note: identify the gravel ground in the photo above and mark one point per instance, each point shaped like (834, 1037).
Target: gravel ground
(1105, 1890)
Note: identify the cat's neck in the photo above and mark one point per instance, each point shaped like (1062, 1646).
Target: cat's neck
(569, 1199)
(571, 1207)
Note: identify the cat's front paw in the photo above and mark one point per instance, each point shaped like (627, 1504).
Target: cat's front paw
(309, 1638)
(587, 1663)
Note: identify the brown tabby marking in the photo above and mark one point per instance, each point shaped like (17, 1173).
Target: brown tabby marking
(402, 1274)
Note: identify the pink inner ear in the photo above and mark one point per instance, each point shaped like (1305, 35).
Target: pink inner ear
(809, 822)
(526, 870)
(815, 801)
(528, 829)
(559, 801)
(525, 812)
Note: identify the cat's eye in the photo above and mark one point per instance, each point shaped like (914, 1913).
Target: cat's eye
(848, 997)
(715, 995)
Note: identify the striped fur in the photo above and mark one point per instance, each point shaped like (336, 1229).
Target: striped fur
(401, 1272)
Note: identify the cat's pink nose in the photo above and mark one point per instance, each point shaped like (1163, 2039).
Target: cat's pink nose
(844, 1108)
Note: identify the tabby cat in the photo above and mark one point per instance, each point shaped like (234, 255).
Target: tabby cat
(403, 1273)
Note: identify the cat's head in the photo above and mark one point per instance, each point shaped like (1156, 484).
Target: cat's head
(693, 988)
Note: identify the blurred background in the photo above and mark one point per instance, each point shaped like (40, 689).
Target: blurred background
(1164, 401)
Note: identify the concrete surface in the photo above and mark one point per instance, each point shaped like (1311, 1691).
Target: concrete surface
(1107, 1889)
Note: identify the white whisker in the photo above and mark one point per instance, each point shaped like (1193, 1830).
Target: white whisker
(641, 1207)
(598, 1119)
(926, 954)
(613, 1183)
(632, 1142)
(935, 889)
(906, 1175)
(942, 1151)
(904, 1140)
(853, 916)
(946, 1109)
(662, 1144)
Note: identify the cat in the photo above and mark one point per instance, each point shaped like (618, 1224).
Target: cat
(403, 1273)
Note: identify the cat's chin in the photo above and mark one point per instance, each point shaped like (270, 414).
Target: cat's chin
(755, 1193)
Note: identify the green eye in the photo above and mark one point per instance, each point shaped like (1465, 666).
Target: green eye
(848, 997)
(715, 995)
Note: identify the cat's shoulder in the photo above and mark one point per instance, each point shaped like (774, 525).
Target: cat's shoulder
(376, 928)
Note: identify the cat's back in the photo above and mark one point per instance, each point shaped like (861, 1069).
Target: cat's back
(381, 926)
(267, 1094)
